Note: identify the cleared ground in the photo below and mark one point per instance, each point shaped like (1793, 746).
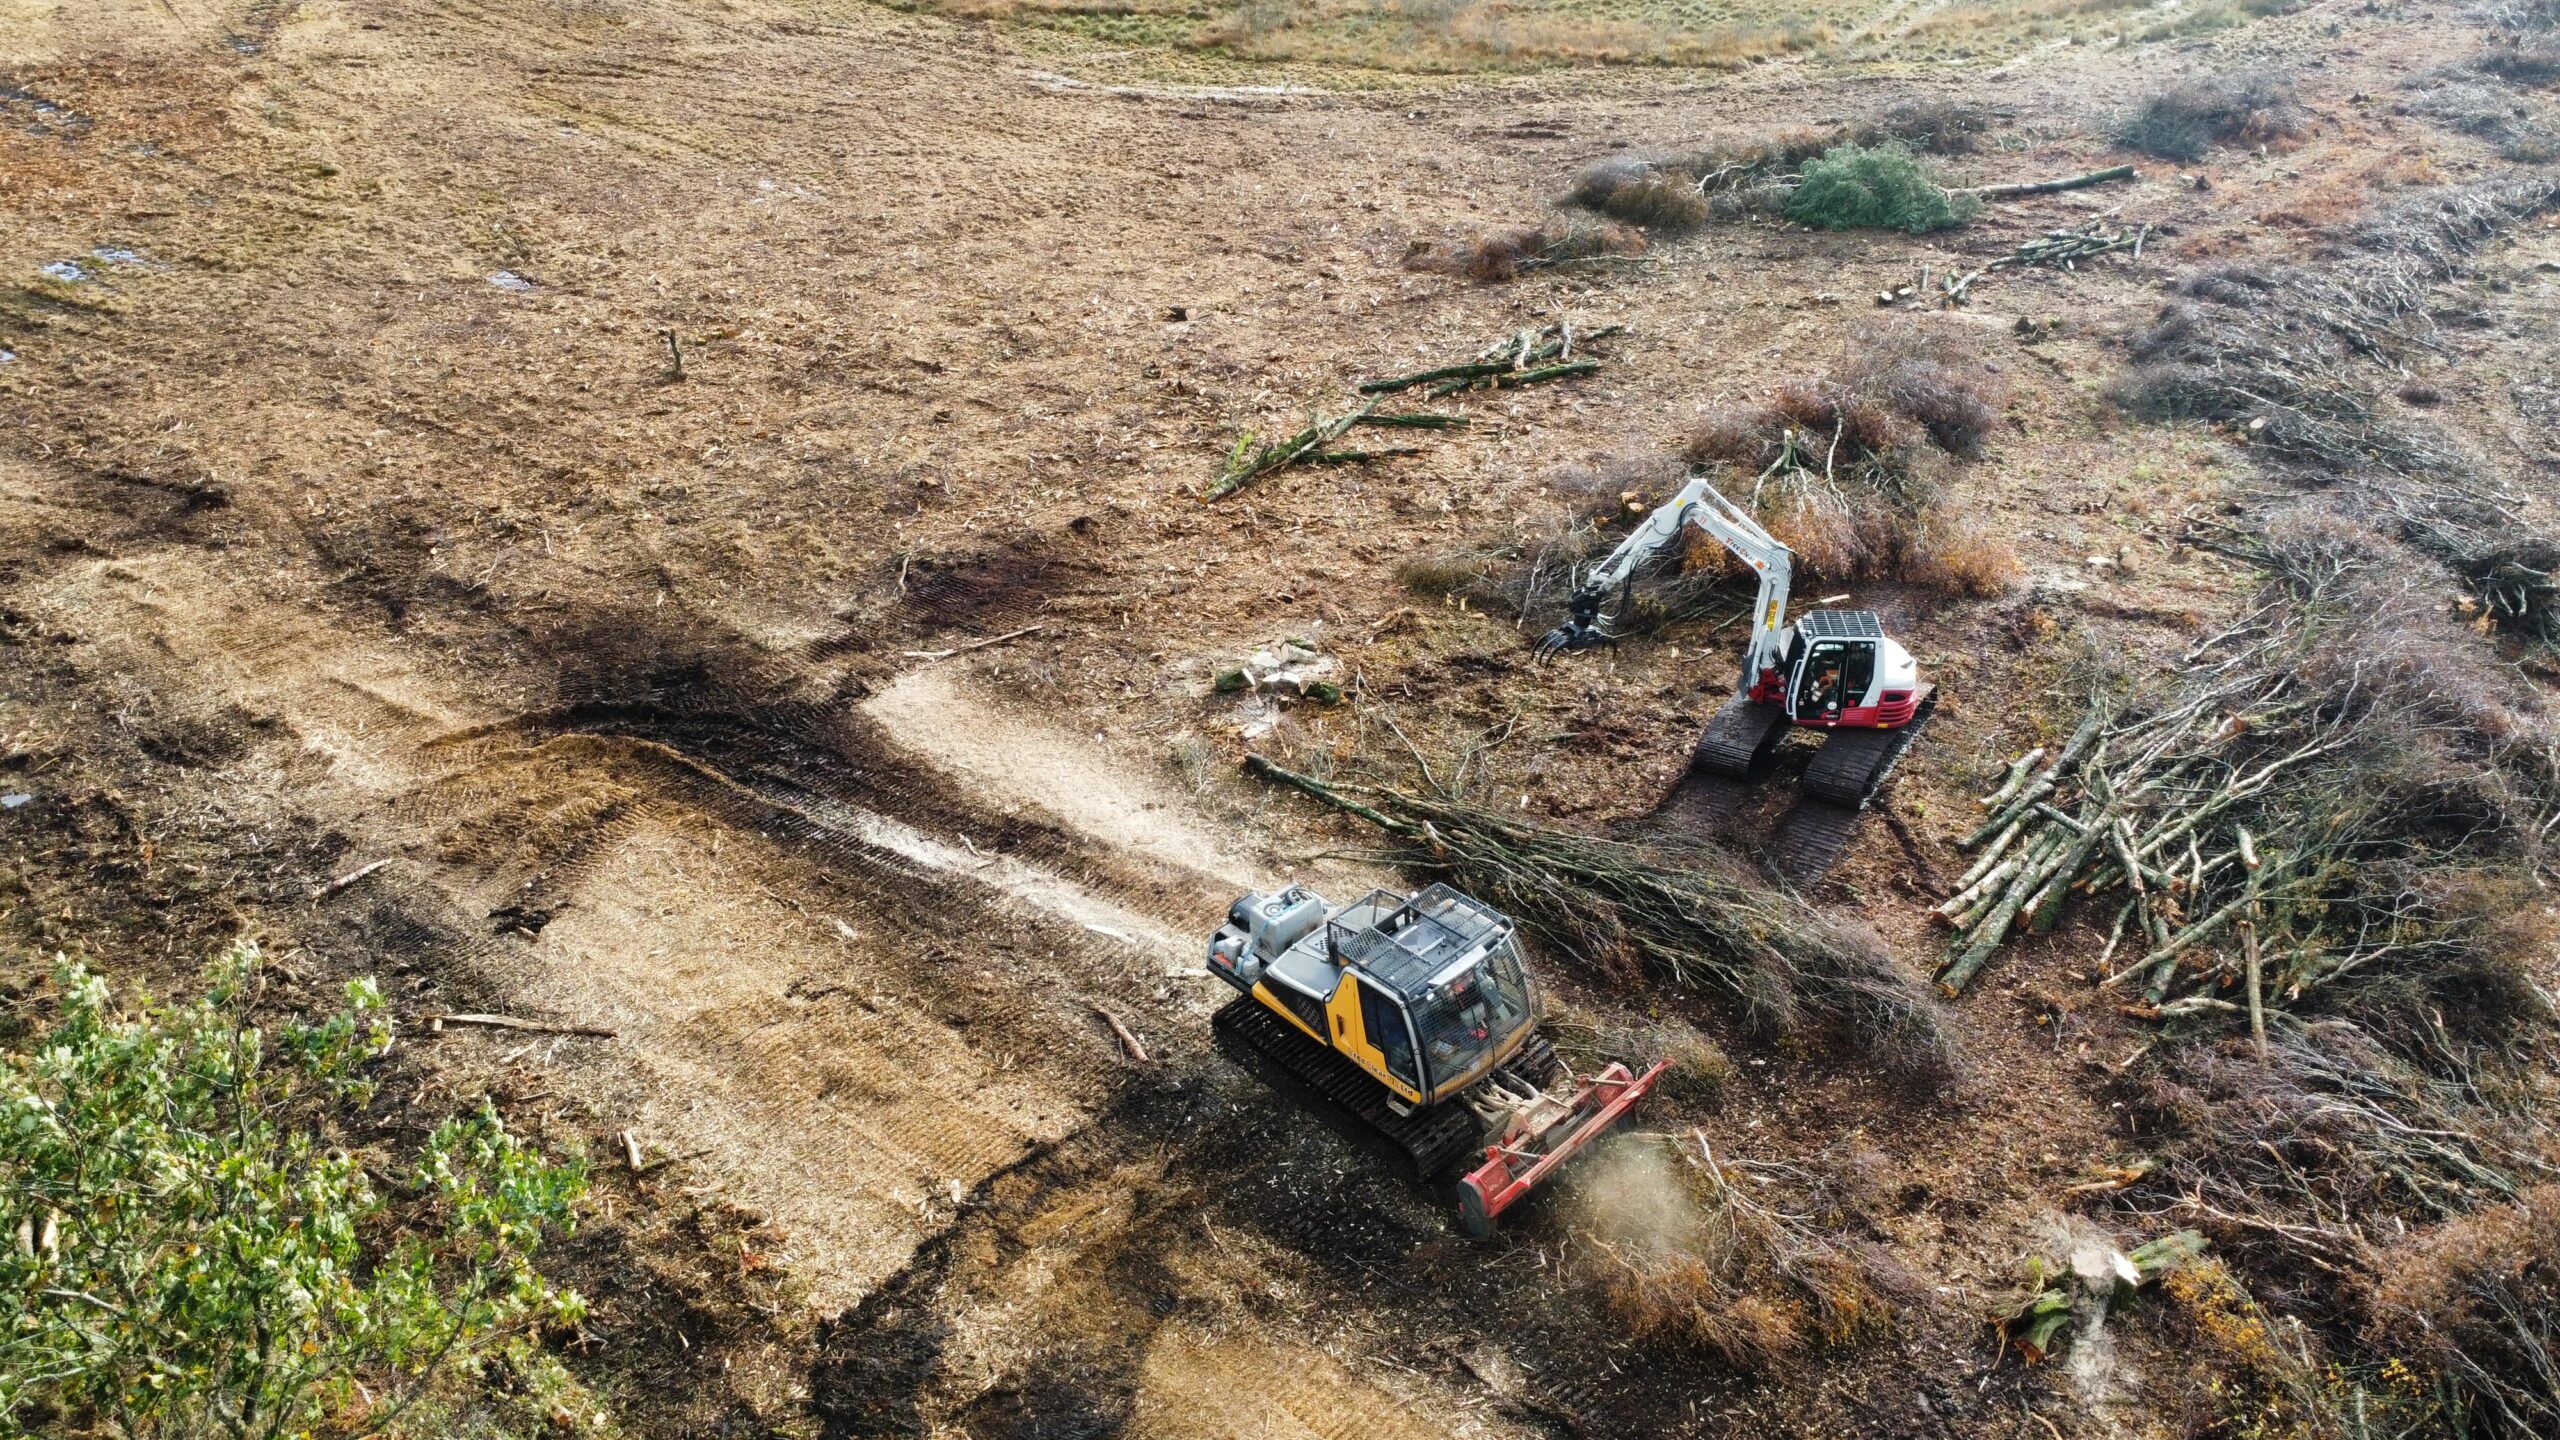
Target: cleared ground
(350, 511)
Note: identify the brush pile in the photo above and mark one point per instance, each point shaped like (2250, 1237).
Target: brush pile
(1846, 470)
(1253, 457)
(1512, 251)
(2291, 361)
(2184, 121)
(1624, 910)
(1759, 176)
(2321, 806)
(1743, 1279)
(2061, 248)
(1532, 356)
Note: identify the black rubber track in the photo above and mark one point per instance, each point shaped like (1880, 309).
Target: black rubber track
(1423, 1146)
(1742, 740)
(1845, 774)
(1853, 764)
(1810, 840)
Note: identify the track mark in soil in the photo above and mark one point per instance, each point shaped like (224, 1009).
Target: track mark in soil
(1197, 1383)
(844, 1017)
(1014, 760)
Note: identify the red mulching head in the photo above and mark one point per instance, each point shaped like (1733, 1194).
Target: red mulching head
(1512, 1170)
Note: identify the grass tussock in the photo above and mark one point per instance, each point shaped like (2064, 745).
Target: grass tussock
(1879, 187)
(1510, 251)
(1848, 470)
(1714, 1268)
(2521, 61)
(2251, 107)
(1636, 193)
(2477, 1302)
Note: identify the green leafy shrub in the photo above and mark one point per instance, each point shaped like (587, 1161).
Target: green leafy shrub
(1880, 187)
(183, 1251)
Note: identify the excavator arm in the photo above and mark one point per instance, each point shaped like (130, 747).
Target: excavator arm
(1699, 504)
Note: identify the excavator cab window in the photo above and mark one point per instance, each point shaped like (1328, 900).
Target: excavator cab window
(1832, 675)
(1384, 1019)
(1469, 1015)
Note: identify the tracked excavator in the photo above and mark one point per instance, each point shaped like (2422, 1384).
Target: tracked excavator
(1835, 671)
(1411, 1023)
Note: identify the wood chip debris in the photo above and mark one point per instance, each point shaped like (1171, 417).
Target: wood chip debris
(343, 881)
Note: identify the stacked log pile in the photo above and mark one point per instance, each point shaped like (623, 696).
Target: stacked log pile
(2250, 856)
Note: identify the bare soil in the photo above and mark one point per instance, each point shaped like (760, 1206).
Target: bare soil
(319, 546)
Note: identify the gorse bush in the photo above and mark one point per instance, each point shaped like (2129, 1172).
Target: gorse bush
(185, 1252)
(2478, 1302)
(1881, 187)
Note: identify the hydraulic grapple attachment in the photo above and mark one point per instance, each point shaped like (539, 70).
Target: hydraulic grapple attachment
(1537, 1131)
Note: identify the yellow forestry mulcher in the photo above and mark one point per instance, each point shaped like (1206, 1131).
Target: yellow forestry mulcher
(1411, 1022)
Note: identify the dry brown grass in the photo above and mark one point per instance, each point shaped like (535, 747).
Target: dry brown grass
(1452, 36)
(1849, 470)
(1962, 554)
(2477, 1301)
(1699, 1075)
(1683, 1302)
(1504, 253)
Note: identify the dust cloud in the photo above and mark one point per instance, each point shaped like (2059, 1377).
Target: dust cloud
(1631, 1192)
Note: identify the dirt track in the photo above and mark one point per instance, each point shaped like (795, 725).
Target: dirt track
(322, 547)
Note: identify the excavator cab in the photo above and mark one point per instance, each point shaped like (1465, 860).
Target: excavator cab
(1838, 668)
(1426, 993)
